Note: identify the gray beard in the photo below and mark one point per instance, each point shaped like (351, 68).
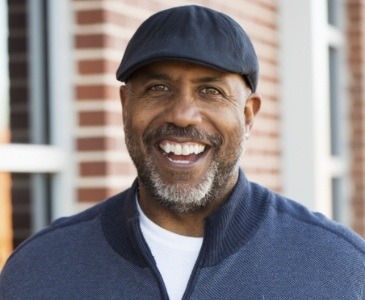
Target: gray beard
(180, 197)
(183, 197)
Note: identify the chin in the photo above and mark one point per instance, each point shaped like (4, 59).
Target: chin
(182, 197)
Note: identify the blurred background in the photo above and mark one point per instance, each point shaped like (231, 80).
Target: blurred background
(61, 138)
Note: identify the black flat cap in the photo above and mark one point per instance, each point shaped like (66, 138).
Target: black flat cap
(193, 34)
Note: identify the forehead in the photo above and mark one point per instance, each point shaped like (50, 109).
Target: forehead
(177, 70)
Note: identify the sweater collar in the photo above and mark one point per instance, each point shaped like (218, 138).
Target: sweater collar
(226, 231)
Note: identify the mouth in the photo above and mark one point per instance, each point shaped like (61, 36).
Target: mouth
(182, 153)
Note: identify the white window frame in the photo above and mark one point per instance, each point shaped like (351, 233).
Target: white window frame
(308, 166)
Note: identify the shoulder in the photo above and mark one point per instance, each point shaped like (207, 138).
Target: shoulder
(66, 242)
(295, 217)
(67, 225)
(307, 246)
(60, 226)
(63, 232)
(315, 224)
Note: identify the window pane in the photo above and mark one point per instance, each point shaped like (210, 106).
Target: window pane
(333, 12)
(4, 74)
(339, 201)
(334, 93)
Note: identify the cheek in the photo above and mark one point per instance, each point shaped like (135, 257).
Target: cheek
(232, 130)
(136, 118)
(131, 128)
(229, 121)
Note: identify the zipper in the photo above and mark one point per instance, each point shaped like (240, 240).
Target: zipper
(146, 252)
(195, 273)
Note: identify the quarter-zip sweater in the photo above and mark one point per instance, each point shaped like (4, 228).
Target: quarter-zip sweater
(258, 245)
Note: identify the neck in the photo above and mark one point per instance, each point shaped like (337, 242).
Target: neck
(188, 223)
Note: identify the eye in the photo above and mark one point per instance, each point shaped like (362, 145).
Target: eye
(210, 91)
(159, 88)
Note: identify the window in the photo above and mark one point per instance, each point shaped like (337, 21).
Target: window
(42, 149)
(313, 90)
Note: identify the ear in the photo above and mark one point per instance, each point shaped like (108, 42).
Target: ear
(252, 107)
(123, 100)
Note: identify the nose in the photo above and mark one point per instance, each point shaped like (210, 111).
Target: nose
(183, 112)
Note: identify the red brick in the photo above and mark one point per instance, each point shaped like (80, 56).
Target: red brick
(97, 118)
(90, 41)
(92, 194)
(93, 168)
(89, 16)
(97, 40)
(99, 16)
(356, 62)
(99, 66)
(90, 92)
(105, 168)
(98, 143)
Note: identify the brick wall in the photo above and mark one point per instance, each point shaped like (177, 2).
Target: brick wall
(102, 171)
(102, 30)
(19, 114)
(356, 75)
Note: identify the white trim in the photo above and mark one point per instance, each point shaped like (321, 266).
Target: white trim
(309, 169)
(61, 71)
(31, 158)
(305, 116)
(338, 167)
(335, 37)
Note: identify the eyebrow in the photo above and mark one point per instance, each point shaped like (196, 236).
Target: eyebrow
(209, 79)
(212, 79)
(164, 76)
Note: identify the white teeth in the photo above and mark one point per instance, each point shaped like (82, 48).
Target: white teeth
(196, 149)
(178, 150)
(185, 150)
(182, 149)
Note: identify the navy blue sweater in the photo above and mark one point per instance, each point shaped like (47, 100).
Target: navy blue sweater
(259, 245)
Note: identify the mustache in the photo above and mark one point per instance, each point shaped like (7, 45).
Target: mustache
(171, 130)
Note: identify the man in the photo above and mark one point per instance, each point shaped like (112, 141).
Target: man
(191, 226)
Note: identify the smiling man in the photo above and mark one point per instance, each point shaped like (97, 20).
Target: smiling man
(191, 226)
(185, 126)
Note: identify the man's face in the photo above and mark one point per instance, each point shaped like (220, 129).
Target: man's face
(185, 129)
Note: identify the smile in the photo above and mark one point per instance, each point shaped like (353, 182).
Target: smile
(182, 153)
(182, 148)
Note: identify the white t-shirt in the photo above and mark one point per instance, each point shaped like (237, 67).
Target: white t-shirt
(175, 254)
